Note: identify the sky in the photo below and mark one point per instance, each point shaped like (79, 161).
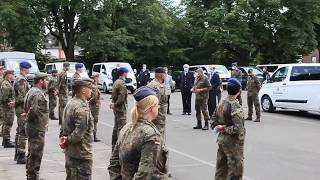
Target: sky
(177, 2)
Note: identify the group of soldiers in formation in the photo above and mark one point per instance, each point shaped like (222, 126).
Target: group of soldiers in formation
(138, 146)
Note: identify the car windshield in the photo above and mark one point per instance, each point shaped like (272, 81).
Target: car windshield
(256, 71)
(15, 65)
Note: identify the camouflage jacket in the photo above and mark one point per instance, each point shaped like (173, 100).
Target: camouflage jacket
(52, 86)
(202, 82)
(21, 87)
(36, 104)
(77, 125)
(237, 74)
(139, 153)
(62, 83)
(6, 93)
(75, 77)
(230, 114)
(253, 86)
(119, 95)
(163, 103)
(95, 96)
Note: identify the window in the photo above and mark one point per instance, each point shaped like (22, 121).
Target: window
(305, 73)
(280, 75)
(49, 69)
(104, 69)
(96, 68)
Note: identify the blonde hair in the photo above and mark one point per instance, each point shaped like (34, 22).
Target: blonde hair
(141, 106)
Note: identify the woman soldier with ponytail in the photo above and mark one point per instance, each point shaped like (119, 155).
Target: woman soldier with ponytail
(139, 152)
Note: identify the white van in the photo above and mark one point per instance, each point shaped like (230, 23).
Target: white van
(105, 71)
(11, 61)
(223, 72)
(59, 67)
(292, 86)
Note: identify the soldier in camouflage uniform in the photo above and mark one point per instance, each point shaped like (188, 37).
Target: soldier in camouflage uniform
(229, 123)
(140, 152)
(7, 104)
(77, 74)
(1, 115)
(63, 89)
(95, 104)
(237, 74)
(36, 118)
(77, 132)
(52, 92)
(158, 84)
(201, 87)
(119, 103)
(253, 86)
(21, 87)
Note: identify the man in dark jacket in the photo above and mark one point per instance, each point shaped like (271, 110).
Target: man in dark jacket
(115, 73)
(186, 84)
(144, 76)
(215, 92)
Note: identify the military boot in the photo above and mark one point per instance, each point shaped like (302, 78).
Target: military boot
(257, 119)
(206, 125)
(52, 116)
(95, 138)
(199, 125)
(7, 143)
(15, 155)
(21, 158)
(249, 118)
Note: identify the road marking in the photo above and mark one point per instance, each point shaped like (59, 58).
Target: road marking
(186, 155)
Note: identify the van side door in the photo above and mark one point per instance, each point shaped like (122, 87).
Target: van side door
(278, 87)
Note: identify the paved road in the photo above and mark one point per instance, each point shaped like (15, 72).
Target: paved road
(284, 146)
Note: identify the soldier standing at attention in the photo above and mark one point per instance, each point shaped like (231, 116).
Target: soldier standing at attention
(140, 152)
(229, 123)
(52, 92)
(63, 89)
(36, 117)
(95, 104)
(158, 84)
(77, 132)
(253, 86)
(1, 113)
(237, 74)
(201, 87)
(77, 74)
(21, 87)
(119, 103)
(7, 104)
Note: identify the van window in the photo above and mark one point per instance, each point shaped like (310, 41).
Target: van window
(49, 68)
(305, 73)
(104, 69)
(1, 63)
(96, 68)
(269, 68)
(280, 75)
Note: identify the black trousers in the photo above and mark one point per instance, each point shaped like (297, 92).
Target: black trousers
(212, 102)
(168, 101)
(186, 101)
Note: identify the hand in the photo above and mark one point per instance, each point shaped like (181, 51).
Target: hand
(55, 92)
(11, 104)
(221, 128)
(24, 116)
(63, 142)
(197, 90)
(112, 106)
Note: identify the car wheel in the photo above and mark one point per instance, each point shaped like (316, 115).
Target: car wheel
(266, 104)
(105, 89)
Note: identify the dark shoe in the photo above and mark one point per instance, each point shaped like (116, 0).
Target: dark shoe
(7, 143)
(206, 126)
(257, 120)
(15, 155)
(169, 113)
(199, 125)
(248, 119)
(96, 139)
(21, 158)
(52, 116)
(183, 113)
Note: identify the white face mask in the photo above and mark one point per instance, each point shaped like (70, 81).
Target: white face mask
(144, 68)
(196, 74)
(186, 69)
(233, 67)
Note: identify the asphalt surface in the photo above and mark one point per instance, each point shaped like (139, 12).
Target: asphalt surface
(283, 146)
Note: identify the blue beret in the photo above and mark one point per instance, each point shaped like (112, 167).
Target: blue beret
(234, 83)
(25, 65)
(143, 92)
(79, 65)
(123, 70)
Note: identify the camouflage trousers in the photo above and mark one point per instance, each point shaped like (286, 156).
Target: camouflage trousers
(240, 99)
(78, 169)
(63, 99)
(120, 119)
(21, 138)
(35, 152)
(1, 120)
(52, 103)
(253, 100)
(95, 113)
(229, 162)
(202, 109)
(8, 118)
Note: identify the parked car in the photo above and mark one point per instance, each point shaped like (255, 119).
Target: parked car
(271, 68)
(11, 61)
(173, 87)
(256, 71)
(221, 69)
(105, 71)
(292, 86)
